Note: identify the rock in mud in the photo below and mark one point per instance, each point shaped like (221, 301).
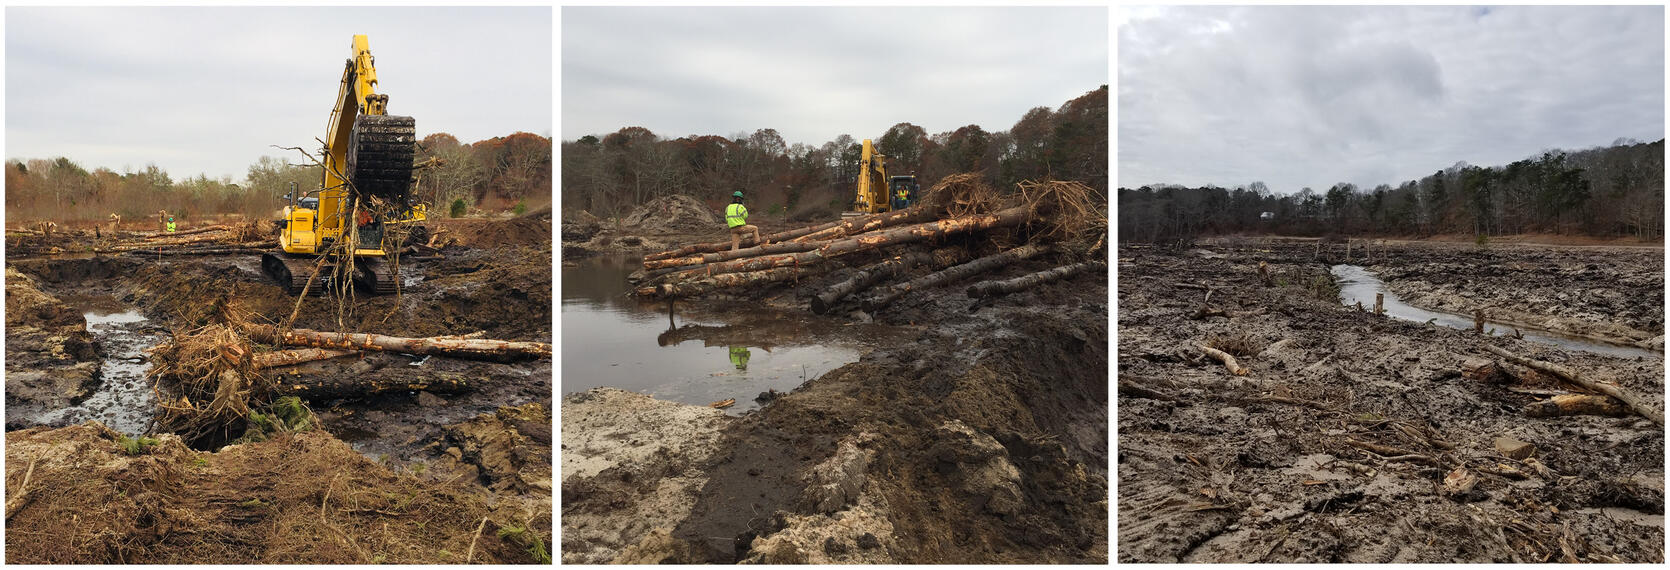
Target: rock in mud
(1514, 448)
(492, 448)
(982, 466)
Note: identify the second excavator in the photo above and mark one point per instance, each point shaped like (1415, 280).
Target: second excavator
(341, 232)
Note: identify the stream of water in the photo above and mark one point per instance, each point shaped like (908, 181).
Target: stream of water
(1358, 285)
(123, 401)
(698, 352)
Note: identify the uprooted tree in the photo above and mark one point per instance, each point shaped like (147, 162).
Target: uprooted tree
(939, 235)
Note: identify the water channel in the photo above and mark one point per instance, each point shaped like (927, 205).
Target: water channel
(123, 401)
(696, 352)
(1358, 285)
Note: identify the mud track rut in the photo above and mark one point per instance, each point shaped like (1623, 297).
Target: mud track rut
(1275, 467)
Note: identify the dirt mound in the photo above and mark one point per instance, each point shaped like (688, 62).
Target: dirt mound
(531, 229)
(508, 451)
(95, 497)
(51, 361)
(673, 214)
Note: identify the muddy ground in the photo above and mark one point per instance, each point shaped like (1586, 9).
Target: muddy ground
(482, 453)
(1274, 466)
(980, 438)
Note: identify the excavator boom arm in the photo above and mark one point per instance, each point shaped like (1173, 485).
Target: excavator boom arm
(356, 95)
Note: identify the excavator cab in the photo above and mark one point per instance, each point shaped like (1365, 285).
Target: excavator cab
(902, 191)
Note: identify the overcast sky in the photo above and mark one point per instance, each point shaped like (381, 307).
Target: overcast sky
(206, 90)
(1313, 96)
(816, 73)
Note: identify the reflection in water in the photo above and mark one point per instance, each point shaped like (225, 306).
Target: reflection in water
(739, 357)
(1358, 285)
(706, 350)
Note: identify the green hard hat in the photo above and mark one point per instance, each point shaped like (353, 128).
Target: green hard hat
(736, 194)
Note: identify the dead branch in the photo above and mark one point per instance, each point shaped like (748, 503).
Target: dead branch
(1224, 357)
(1574, 377)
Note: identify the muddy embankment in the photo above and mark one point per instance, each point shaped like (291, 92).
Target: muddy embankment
(980, 438)
(655, 226)
(1358, 438)
(401, 476)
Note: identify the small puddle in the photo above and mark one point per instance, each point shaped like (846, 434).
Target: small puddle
(124, 401)
(703, 351)
(1359, 285)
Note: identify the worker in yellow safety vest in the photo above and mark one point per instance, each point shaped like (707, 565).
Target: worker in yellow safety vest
(736, 218)
(170, 224)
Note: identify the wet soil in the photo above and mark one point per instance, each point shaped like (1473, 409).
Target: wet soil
(978, 436)
(1274, 466)
(495, 437)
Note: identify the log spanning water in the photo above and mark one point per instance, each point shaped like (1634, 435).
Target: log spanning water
(1360, 285)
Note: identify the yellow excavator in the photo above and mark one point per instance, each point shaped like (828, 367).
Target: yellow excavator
(877, 192)
(364, 195)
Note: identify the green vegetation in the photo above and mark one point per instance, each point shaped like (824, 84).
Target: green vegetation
(459, 208)
(520, 208)
(286, 414)
(135, 446)
(527, 539)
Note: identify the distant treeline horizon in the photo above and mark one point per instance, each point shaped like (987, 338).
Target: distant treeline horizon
(608, 176)
(1614, 191)
(509, 172)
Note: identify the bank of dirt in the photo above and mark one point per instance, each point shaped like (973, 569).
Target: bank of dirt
(980, 438)
(1357, 438)
(482, 449)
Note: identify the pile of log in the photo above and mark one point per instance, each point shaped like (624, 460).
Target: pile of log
(1039, 218)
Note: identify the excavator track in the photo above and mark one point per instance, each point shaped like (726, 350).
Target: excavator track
(375, 275)
(293, 273)
(380, 153)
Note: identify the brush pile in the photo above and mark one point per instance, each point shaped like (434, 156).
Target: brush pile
(959, 216)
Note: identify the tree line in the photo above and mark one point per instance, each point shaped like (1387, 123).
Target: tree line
(1613, 191)
(500, 173)
(609, 175)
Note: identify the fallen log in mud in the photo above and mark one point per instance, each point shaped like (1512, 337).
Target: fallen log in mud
(476, 349)
(868, 277)
(1578, 405)
(863, 242)
(978, 266)
(1024, 282)
(756, 251)
(1228, 361)
(1572, 376)
(865, 224)
(698, 286)
(329, 387)
(188, 232)
(298, 356)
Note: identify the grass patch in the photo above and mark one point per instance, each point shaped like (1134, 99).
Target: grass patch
(135, 445)
(527, 539)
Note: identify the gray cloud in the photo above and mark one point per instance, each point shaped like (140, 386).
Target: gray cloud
(1311, 96)
(206, 90)
(816, 73)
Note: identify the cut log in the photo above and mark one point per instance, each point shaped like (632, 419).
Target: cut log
(701, 285)
(864, 242)
(332, 386)
(475, 349)
(202, 251)
(887, 296)
(297, 356)
(870, 276)
(1484, 371)
(1578, 405)
(1572, 376)
(718, 246)
(1024, 282)
(1224, 357)
(756, 251)
(859, 225)
(188, 232)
